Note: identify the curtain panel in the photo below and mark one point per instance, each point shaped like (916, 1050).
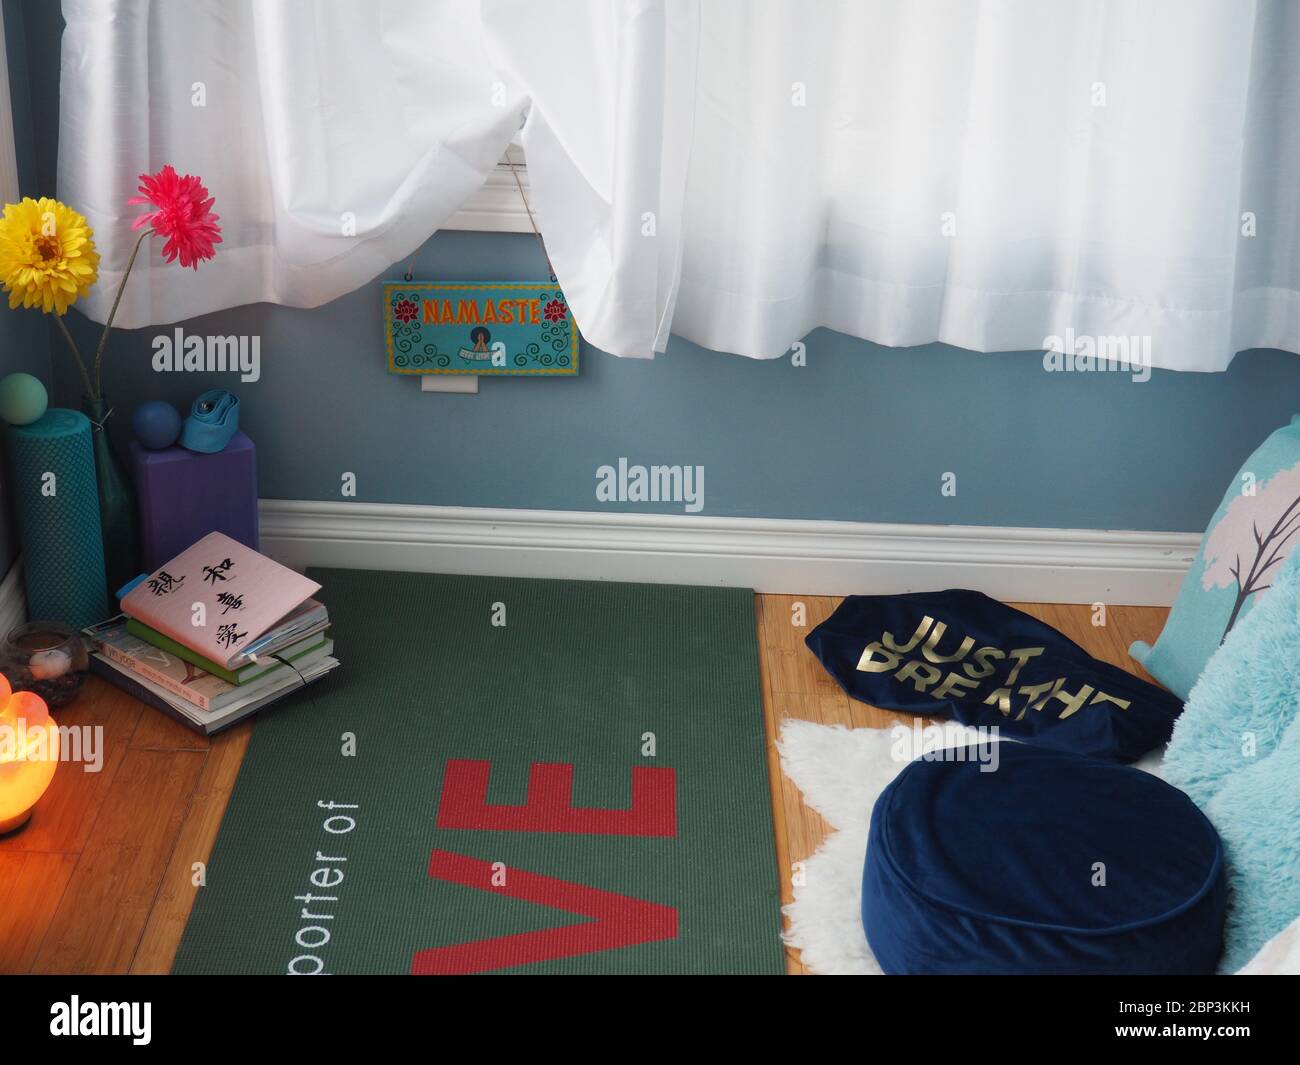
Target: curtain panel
(987, 173)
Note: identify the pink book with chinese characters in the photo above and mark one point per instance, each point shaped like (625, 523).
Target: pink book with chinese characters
(243, 595)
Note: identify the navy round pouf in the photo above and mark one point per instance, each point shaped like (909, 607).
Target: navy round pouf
(1052, 863)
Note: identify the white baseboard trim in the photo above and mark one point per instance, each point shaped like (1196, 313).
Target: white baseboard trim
(13, 599)
(766, 554)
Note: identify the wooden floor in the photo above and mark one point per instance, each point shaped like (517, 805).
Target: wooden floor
(100, 880)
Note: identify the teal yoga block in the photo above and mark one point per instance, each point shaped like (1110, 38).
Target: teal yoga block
(57, 500)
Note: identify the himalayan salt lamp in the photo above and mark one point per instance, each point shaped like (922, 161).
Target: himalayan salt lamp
(29, 754)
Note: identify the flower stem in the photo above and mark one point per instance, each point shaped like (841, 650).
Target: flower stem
(108, 325)
(85, 377)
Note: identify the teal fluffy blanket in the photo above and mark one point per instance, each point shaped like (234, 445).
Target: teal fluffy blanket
(1236, 752)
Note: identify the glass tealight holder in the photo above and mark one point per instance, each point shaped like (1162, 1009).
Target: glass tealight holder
(47, 658)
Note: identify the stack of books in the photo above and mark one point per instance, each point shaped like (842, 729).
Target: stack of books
(214, 635)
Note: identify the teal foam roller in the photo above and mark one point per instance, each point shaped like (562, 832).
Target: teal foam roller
(57, 500)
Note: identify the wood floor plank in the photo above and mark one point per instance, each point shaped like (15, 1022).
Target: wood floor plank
(156, 731)
(31, 886)
(106, 904)
(65, 817)
(783, 638)
(166, 924)
(780, 828)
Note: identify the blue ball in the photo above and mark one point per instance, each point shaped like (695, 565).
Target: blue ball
(22, 399)
(156, 424)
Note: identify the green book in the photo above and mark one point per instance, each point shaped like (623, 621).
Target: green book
(244, 674)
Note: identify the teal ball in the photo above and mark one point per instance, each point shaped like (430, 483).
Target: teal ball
(156, 424)
(23, 399)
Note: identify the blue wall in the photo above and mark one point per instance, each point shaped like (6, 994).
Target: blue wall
(861, 433)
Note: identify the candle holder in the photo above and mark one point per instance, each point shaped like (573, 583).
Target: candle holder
(47, 658)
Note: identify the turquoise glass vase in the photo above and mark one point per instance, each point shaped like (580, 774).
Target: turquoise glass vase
(117, 513)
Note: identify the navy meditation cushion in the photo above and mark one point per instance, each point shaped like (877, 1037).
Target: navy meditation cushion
(1049, 863)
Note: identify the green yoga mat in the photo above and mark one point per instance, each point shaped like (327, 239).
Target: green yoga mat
(505, 775)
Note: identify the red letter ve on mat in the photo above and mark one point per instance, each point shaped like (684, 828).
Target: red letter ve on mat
(550, 803)
(616, 920)
(619, 921)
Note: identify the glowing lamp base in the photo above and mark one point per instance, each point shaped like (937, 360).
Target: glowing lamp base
(13, 824)
(29, 754)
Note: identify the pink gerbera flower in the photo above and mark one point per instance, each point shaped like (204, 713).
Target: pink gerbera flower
(182, 212)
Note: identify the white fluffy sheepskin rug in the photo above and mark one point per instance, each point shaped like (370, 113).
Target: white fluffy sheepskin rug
(841, 772)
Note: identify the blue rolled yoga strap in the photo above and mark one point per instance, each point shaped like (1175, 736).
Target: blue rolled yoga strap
(213, 422)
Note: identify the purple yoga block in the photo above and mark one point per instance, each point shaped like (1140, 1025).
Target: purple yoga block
(185, 495)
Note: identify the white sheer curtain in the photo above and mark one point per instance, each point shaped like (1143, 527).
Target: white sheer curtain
(335, 138)
(982, 173)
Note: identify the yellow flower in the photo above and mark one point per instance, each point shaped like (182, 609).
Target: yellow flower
(47, 255)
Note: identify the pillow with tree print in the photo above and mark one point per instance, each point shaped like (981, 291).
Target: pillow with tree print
(1250, 536)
